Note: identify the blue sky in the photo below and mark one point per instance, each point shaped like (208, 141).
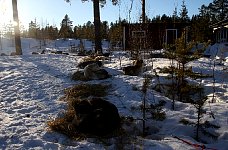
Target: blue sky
(53, 11)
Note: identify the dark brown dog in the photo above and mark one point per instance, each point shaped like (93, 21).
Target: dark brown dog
(134, 70)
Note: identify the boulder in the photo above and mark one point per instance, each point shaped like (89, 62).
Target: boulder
(96, 117)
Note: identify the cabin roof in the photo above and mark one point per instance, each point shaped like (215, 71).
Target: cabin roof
(220, 23)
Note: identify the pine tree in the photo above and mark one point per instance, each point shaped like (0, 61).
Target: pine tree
(219, 9)
(96, 9)
(170, 53)
(8, 30)
(78, 32)
(199, 102)
(104, 30)
(33, 29)
(202, 127)
(200, 30)
(144, 91)
(204, 11)
(115, 32)
(66, 28)
(88, 30)
(182, 57)
(52, 32)
(181, 53)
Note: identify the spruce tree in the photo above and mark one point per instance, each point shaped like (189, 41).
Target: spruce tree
(184, 13)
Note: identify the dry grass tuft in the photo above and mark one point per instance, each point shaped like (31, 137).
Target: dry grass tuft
(72, 95)
(64, 125)
(87, 90)
(88, 58)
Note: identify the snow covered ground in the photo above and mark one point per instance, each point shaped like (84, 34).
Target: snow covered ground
(31, 85)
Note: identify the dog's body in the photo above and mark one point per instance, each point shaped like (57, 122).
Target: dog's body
(96, 116)
(89, 71)
(100, 58)
(94, 72)
(82, 65)
(134, 70)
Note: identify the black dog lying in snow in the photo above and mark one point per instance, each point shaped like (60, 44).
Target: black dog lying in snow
(96, 116)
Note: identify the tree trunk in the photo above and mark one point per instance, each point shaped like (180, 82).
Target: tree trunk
(97, 22)
(16, 28)
(143, 11)
(0, 40)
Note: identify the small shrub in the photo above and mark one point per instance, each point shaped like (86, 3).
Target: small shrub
(156, 111)
(208, 129)
(135, 88)
(185, 121)
(159, 116)
(207, 124)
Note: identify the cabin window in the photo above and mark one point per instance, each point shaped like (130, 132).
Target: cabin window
(139, 34)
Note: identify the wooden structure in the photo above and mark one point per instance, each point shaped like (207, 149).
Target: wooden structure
(220, 31)
(152, 35)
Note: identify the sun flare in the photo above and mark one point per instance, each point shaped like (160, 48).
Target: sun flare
(5, 12)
